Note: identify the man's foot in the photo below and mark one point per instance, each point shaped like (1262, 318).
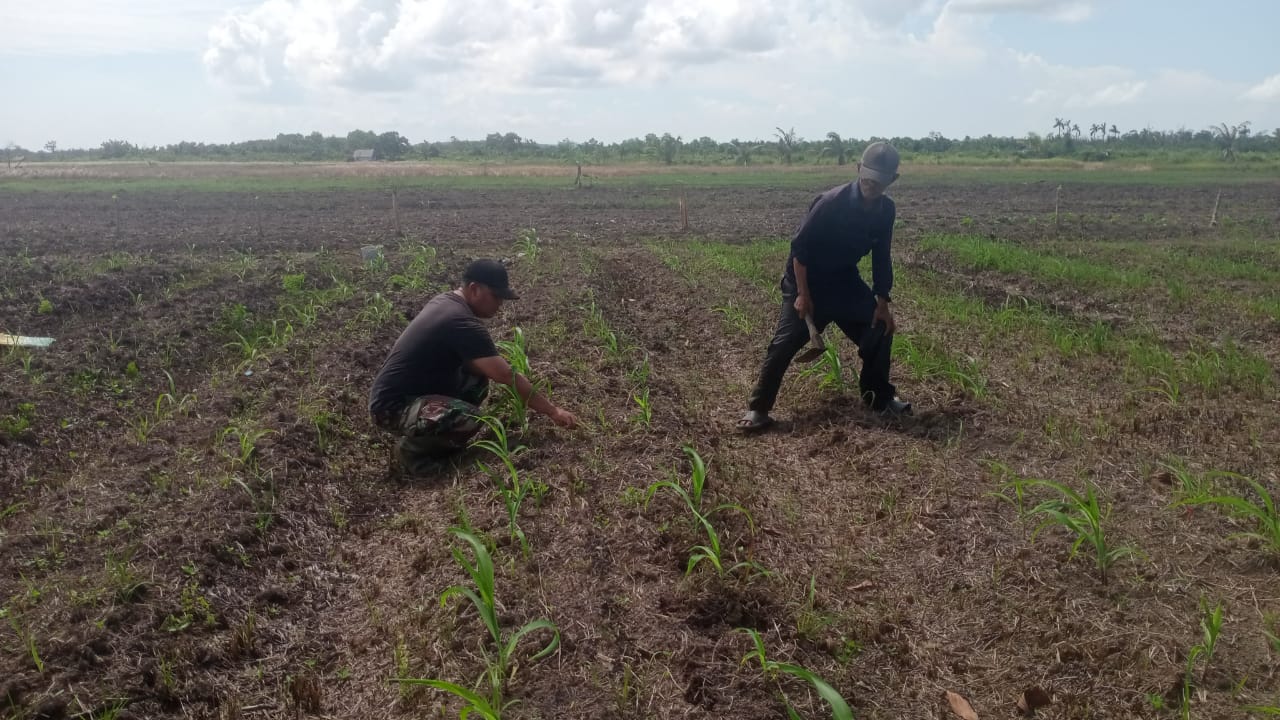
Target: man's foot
(897, 406)
(754, 421)
(420, 464)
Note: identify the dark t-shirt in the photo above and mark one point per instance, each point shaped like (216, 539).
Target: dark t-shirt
(428, 357)
(836, 233)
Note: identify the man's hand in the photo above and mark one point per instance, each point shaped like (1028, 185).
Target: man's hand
(564, 418)
(804, 305)
(885, 315)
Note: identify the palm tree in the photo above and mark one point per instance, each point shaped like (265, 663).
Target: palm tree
(1075, 130)
(1115, 132)
(835, 146)
(787, 141)
(1093, 131)
(742, 152)
(1226, 135)
(1060, 125)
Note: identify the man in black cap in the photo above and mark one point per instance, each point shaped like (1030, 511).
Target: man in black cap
(431, 386)
(821, 281)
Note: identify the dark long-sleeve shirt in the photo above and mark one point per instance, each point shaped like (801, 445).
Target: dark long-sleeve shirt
(836, 233)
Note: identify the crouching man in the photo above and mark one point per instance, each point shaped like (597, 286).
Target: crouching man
(430, 388)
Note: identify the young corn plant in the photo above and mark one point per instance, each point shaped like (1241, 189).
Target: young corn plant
(499, 657)
(1082, 515)
(28, 639)
(378, 310)
(513, 488)
(697, 483)
(713, 553)
(513, 405)
(1263, 512)
(644, 414)
(828, 369)
(246, 444)
(773, 669)
(639, 375)
(734, 318)
(1210, 629)
(170, 402)
(527, 243)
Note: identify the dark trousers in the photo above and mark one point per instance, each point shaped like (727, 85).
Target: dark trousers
(874, 347)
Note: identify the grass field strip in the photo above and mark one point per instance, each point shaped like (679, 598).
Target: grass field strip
(1112, 268)
(1206, 366)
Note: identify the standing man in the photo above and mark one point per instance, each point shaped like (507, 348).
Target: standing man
(821, 280)
(431, 386)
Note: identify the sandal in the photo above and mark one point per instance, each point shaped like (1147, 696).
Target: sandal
(754, 421)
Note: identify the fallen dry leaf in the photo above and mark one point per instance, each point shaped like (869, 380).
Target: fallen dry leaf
(864, 585)
(1033, 698)
(961, 707)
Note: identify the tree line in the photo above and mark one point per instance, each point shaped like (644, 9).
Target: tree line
(1064, 138)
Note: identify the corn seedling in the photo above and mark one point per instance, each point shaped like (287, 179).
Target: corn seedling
(516, 351)
(644, 415)
(613, 345)
(697, 483)
(169, 403)
(1262, 512)
(377, 311)
(246, 443)
(1168, 389)
(499, 660)
(595, 324)
(1010, 481)
(639, 375)
(28, 639)
(772, 668)
(513, 488)
(1210, 628)
(126, 584)
(514, 405)
(263, 500)
(1082, 516)
(734, 318)
(713, 553)
(142, 428)
(305, 313)
(828, 369)
(423, 265)
(1271, 631)
(809, 622)
(527, 243)
(242, 264)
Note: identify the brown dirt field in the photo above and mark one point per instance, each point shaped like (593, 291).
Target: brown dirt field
(160, 569)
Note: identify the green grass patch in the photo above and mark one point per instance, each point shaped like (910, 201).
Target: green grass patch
(980, 253)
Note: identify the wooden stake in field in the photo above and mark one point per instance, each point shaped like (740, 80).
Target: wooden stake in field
(1213, 216)
(395, 213)
(257, 206)
(684, 213)
(1057, 197)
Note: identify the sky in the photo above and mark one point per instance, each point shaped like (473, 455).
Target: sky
(154, 72)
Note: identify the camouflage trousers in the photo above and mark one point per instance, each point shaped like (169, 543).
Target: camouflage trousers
(433, 427)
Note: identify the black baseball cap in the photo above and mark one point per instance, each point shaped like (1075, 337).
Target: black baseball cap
(493, 274)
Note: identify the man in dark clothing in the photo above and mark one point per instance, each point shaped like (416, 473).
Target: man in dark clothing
(821, 280)
(431, 386)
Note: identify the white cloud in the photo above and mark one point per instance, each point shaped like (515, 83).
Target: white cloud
(1266, 91)
(81, 28)
(1062, 10)
(1064, 87)
(608, 68)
